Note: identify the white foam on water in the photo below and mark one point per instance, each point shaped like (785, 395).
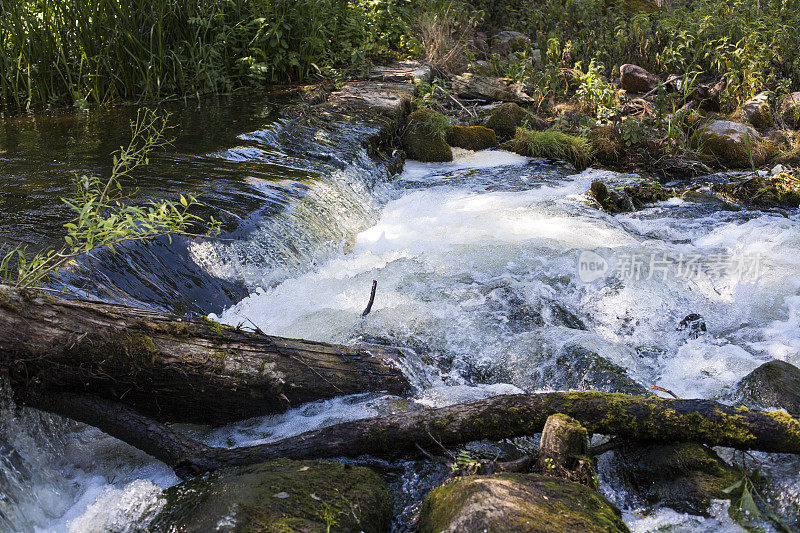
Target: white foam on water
(663, 520)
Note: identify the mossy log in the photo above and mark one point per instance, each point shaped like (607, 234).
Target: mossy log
(634, 418)
(175, 368)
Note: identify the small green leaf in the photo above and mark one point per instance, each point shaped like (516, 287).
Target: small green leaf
(733, 487)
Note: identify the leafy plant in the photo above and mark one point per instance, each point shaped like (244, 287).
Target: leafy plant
(744, 507)
(103, 219)
(595, 93)
(464, 464)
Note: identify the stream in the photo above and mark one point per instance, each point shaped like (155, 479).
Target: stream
(493, 269)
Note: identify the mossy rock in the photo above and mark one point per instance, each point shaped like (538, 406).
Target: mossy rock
(790, 109)
(734, 144)
(684, 477)
(518, 503)
(758, 112)
(472, 137)
(424, 137)
(773, 384)
(630, 197)
(279, 496)
(764, 192)
(506, 118)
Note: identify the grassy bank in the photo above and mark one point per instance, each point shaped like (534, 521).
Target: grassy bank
(57, 52)
(86, 51)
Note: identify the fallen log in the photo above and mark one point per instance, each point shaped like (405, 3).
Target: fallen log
(634, 418)
(176, 368)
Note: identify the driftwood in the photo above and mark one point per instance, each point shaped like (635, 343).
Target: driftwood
(173, 368)
(631, 417)
(700, 97)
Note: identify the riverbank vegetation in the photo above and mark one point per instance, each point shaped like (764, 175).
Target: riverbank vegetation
(100, 51)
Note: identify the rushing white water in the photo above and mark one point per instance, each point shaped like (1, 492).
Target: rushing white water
(478, 267)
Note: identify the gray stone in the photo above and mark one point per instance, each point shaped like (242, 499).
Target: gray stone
(386, 98)
(402, 72)
(758, 112)
(473, 86)
(733, 143)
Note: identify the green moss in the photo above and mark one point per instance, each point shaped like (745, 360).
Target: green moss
(317, 495)
(780, 190)
(552, 144)
(472, 137)
(424, 136)
(630, 197)
(519, 502)
(733, 144)
(506, 118)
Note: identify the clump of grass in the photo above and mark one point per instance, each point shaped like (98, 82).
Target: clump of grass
(552, 144)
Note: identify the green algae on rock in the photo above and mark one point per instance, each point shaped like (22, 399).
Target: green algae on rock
(779, 190)
(279, 496)
(506, 118)
(523, 503)
(424, 137)
(472, 137)
(684, 477)
(630, 197)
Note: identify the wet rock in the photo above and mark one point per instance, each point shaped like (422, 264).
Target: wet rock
(684, 477)
(517, 503)
(473, 86)
(506, 118)
(780, 190)
(773, 384)
(734, 144)
(389, 99)
(758, 112)
(279, 495)
(630, 197)
(790, 110)
(472, 137)
(577, 368)
(508, 42)
(635, 79)
(402, 72)
(693, 324)
(424, 137)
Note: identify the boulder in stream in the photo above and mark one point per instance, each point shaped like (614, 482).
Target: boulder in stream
(279, 495)
(773, 384)
(517, 503)
(424, 136)
(472, 137)
(506, 118)
(578, 368)
(684, 477)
